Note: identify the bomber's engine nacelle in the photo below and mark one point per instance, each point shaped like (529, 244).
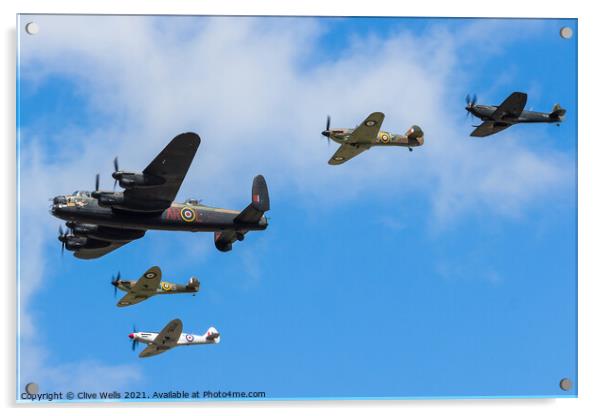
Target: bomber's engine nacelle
(81, 229)
(108, 199)
(75, 242)
(131, 179)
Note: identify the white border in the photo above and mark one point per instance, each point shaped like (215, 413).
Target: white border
(590, 204)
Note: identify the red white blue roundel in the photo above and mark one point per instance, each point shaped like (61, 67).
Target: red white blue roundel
(150, 275)
(189, 338)
(187, 214)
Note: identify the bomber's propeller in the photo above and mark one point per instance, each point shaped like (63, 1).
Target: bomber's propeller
(115, 282)
(116, 167)
(62, 238)
(326, 133)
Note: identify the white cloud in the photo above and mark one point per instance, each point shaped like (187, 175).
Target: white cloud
(38, 367)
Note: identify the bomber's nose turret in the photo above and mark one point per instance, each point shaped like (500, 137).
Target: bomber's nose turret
(59, 200)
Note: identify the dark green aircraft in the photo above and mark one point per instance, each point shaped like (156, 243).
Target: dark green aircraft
(368, 134)
(101, 221)
(510, 112)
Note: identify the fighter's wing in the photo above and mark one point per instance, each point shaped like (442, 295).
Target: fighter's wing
(512, 107)
(346, 152)
(488, 128)
(169, 167)
(366, 132)
(151, 350)
(144, 288)
(131, 299)
(168, 337)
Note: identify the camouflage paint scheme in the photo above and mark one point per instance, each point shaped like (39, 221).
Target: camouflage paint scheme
(151, 284)
(509, 113)
(102, 221)
(366, 135)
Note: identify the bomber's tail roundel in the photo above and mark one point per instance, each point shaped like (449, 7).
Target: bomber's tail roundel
(557, 112)
(260, 202)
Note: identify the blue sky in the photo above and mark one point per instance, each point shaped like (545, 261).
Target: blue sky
(449, 271)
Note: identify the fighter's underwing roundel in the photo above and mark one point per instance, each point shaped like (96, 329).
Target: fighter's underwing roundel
(187, 214)
(189, 338)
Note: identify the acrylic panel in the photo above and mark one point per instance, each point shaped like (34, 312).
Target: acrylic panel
(268, 208)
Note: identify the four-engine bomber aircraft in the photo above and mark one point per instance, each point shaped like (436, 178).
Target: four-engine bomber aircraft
(368, 134)
(148, 285)
(171, 336)
(101, 221)
(510, 112)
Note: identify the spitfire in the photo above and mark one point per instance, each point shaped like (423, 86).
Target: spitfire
(510, 112)
(150, 284)
(368, 134)
(170, 337)
(99, 222)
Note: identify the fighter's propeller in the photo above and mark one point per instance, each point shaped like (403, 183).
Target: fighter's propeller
(134, 340)
(115, 282)
(326, 133)
(470, 102)
(62, 238)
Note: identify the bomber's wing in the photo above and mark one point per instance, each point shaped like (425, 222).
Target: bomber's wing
(167, 338)
(170, 166)
(488, 128)
(367, 131)
(98, 248)
(145, 287)
(512, 107)
(346, 152)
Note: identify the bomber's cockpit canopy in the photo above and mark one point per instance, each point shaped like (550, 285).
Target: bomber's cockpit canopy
(85, 194)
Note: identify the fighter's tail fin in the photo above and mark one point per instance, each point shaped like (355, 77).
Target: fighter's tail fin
(260, 202)
(557, 112)
(212, 334)
(193, 284)
(415, 135)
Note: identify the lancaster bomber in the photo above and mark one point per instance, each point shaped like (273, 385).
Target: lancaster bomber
(99, 222)
(368, 134)
(510, 112)
(150, 284)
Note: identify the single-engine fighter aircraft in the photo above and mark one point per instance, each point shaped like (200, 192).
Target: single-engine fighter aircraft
(368, 134)
(148, 285)
(171, 336)
(101, 221)
(510, 112)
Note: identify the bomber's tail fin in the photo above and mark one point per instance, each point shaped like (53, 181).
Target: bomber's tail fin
(260, 202)
(557, 112)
